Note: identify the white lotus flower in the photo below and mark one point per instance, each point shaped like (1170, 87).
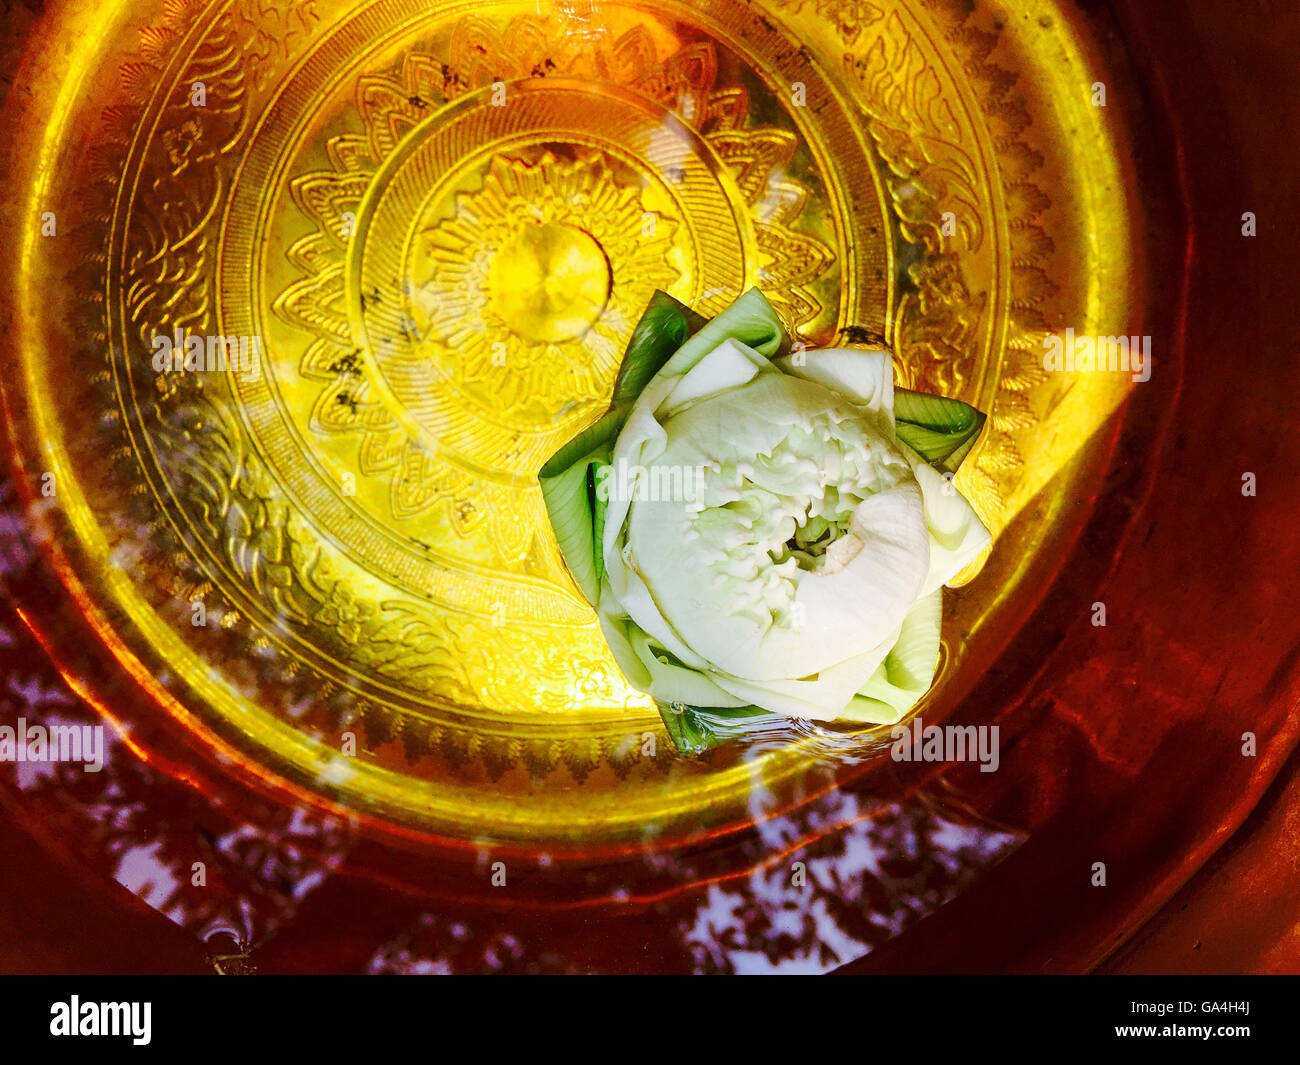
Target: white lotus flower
(798, 571)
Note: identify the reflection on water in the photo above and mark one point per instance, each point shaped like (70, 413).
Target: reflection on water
(820, 886)
(887, 867)
(439, 947)
(871, 872)
(159, 839)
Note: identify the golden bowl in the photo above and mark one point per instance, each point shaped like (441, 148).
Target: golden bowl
(411, 241)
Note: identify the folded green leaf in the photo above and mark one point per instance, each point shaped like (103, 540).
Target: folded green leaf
(751, 320)
(569, 492)
(664, 327)
(696, 729)
(941, 430)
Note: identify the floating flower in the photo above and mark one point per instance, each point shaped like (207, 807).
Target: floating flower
(764, 532)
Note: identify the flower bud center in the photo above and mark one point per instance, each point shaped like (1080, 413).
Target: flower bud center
(767, 518)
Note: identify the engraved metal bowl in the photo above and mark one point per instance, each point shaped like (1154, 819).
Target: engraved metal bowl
(402, 247)
(412, 240)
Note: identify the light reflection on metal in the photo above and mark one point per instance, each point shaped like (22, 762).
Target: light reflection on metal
(355, 518)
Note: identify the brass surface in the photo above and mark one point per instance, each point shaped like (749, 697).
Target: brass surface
(440, 222)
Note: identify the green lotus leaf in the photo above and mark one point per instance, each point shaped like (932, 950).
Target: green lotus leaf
(697, 729)
(941, 430)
